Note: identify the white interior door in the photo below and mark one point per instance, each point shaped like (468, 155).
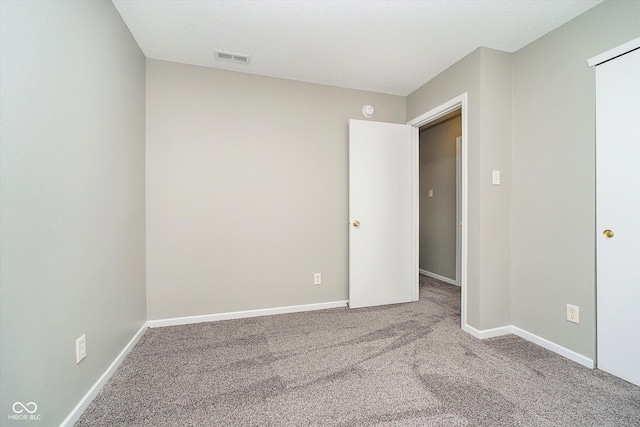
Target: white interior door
(618, 210)
(380, 207)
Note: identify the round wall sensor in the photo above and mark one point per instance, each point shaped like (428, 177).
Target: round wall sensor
(368, 111)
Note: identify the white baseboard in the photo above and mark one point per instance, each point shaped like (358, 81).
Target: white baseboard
(488, 333)
(542, 342)
(244, 314)
(562, 351)
(75, 414)
(439, 277)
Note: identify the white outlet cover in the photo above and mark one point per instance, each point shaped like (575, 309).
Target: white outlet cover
(573, 313)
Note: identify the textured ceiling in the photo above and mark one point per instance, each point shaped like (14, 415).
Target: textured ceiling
(383, 46)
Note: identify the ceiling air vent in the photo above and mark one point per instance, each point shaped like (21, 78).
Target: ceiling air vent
(232, 57)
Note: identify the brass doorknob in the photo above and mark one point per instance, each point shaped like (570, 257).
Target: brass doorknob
(607, 233)
(356, 223)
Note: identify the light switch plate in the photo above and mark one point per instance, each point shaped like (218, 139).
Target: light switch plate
(496, 177)
(81, 348)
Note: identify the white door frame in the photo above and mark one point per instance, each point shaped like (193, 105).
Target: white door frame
(458, 206)
(459, 102)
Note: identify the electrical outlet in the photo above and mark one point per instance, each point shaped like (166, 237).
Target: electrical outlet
(81, 349)
(317, 279)
(573, 313)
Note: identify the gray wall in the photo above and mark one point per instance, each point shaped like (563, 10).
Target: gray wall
(553, 181)
(495, 201)
(72, 199)
(438, 225)
(247, 189)
(485, 75)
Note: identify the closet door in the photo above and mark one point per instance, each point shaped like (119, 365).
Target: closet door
(618, 215)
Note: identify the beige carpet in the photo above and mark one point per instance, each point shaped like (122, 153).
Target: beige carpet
(400, 365)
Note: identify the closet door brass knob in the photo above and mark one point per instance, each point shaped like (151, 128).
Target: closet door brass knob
(356, 223)
(607, 233)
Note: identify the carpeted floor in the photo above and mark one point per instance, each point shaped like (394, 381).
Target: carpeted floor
(399, 365)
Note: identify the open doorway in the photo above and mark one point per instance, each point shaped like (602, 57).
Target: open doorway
(439, 200)
(456, 104)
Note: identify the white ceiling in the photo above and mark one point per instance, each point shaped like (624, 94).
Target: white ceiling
(383, 46)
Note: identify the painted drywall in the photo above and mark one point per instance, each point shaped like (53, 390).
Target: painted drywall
(553, 207)
(72, 200)
(247, 189)
(495, 214)
(438, 224)
(485, 75)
